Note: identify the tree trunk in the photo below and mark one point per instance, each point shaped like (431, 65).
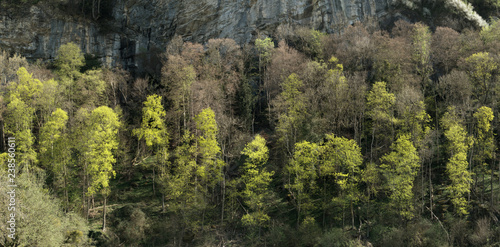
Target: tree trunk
(154, 191)
(223, 198)
(352, 214)
(104, 215)
(66, 197)
(163, 202)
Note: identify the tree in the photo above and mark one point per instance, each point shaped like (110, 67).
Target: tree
(39, 218)
(69, 60)
(481, 68)
(421, 44)
(154, 131)
(400, 168)
(292, 112)
(283, 62)
(380, 110)
(178, 77)
(342, 160)
(302, 173)
(27, 88)
(256, 180)
(210, 166)
(19, 123)
(265, 48)
(103, 130)
(456, 167)
(484, 144)
(54, 149)
(182, 186)
(445, 48)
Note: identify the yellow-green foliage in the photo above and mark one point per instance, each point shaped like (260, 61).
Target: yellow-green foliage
(293, 103)
(484, 140)
(400, 168)
(421, 44)
(481, 69)
(380, 103)
(54, 148)
(103, 129)
(69, 60)
(256, 180)
(342, 159)
(153, 129)
(302, 173)
(210, 166)
(265, 48)
(457, 165)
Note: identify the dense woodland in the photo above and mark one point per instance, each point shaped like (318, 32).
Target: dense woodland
(364, 138)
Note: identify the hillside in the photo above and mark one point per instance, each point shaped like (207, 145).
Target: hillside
(249, 123)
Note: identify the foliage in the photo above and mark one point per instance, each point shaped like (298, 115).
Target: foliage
(103, 129)
(457, 165)
(69, 60)
(400, 168)
(153, 129)
(256, 180)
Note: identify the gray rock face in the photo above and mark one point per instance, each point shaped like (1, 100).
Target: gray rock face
(142, 26)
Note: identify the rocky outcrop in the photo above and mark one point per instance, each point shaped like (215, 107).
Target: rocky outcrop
(141, 26)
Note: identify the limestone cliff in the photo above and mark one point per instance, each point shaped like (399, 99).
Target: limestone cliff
(138, 26)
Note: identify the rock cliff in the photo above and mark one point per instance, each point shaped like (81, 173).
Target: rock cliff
(139, 26)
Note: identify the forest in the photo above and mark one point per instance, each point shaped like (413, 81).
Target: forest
(368, 137)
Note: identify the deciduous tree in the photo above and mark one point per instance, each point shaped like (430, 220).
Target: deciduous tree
(400, 168)
(457, 165)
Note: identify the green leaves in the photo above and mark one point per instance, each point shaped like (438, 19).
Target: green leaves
(53, 141)
(400, 168)
(256, 180)
(457, 165)
(69, 60)
(292, 101)
(103, 133)
(380, 103)
(153, 129)
(265, 47)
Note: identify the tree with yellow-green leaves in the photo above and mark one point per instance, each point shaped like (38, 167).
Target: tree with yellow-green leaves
(481, 68)
(292, 113)
(400, 168)
(457, 165)
(154, 132)
(103, 140)
(484, 145)
(210, 165)
(302, 173)
(54, 149)
(69, 60)
(21, 115)
(381, 111)
(342, 160)
(265, 48)
(256, 180)
(182, 187)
